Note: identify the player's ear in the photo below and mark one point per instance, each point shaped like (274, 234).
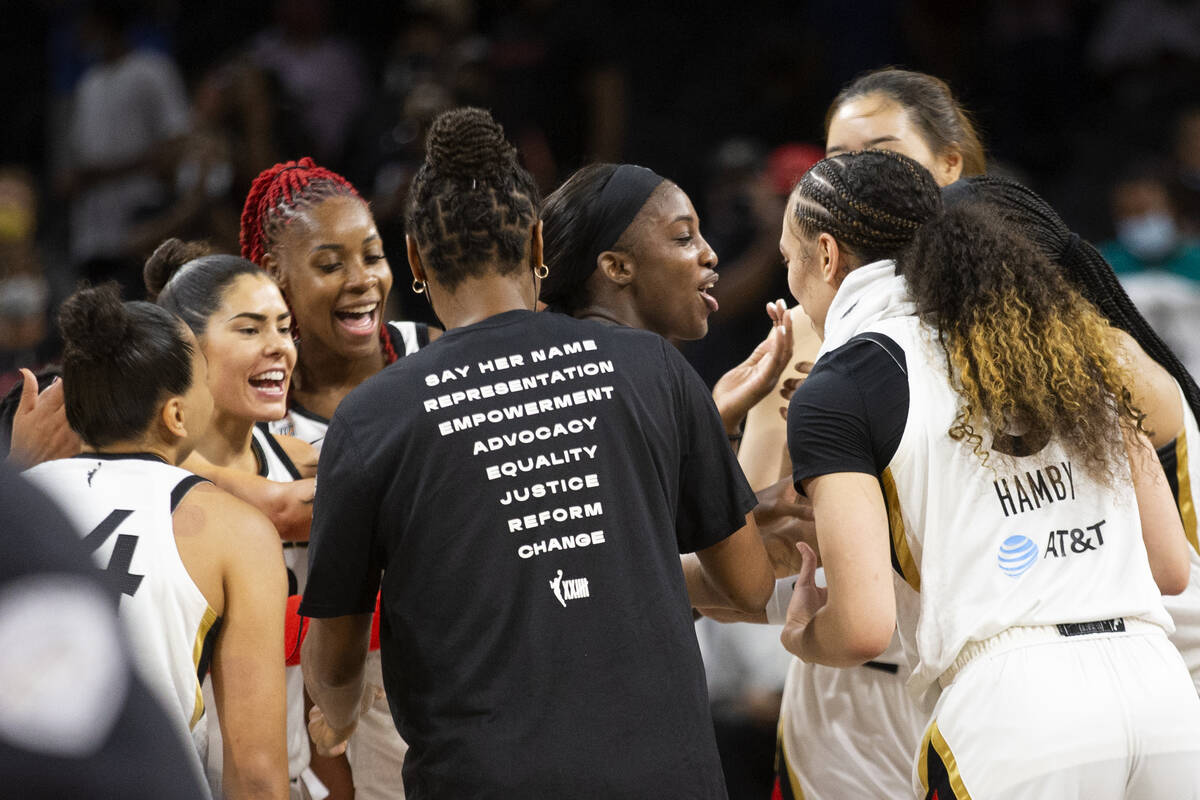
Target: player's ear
(172, 417)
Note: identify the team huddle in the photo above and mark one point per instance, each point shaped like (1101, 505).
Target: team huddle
(988, 572)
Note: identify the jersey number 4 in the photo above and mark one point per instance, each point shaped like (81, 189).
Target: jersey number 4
(122, 554)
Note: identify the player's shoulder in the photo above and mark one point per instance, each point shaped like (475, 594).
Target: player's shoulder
(206, 509)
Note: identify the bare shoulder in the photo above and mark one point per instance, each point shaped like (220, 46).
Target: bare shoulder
(211, 512)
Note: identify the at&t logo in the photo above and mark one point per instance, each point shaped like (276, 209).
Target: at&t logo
(1017, 554)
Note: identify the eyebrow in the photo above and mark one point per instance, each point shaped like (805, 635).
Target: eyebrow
(372, 238)
(865, 146)
(683, 218)
(257, 317)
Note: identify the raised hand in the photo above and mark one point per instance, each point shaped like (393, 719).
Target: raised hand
(40, 428)
(741, 387)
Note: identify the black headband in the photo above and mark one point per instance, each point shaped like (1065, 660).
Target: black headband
(627, 190)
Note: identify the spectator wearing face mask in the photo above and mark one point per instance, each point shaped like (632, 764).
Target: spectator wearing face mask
(1149, 236)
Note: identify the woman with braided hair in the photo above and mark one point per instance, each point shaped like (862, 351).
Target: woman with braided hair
(851, 732)
(1162, 386)
(308, 227)
(981, 481)
(522, 489)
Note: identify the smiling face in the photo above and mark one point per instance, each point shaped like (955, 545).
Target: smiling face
(876, 122)
(248, 344)
(674, 267)
(330, 264)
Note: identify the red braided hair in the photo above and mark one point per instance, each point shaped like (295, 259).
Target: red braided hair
(275, 197)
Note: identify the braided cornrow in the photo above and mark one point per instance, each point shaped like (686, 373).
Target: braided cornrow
(471, 205)
(871, 210)
(277, 194)
(276, 197)
(1083, 265)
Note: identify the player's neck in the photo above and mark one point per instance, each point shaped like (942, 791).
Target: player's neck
(172, 454)
(226, 443)
(321, 369)
(478, 297)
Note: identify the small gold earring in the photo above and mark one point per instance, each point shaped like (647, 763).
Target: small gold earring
(542, 271)
(418, 286)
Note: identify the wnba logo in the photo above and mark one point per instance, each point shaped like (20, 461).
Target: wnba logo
(1017, 555)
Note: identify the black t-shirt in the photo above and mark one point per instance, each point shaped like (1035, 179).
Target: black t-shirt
(849, 414)
(526, 485)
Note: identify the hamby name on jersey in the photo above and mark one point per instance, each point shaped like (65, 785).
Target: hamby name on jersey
(1043, 486)
(569, 589)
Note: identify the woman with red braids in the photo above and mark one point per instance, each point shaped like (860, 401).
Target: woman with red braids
(308, 227)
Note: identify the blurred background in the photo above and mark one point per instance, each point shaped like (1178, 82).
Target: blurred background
(126, 122)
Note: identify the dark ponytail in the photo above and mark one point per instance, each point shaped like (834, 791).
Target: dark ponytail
(189, 282)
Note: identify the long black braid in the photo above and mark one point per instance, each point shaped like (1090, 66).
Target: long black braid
(1091, 274)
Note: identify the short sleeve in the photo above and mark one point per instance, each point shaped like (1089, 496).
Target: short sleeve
(849, 414)
(343, 563)
(714, 496)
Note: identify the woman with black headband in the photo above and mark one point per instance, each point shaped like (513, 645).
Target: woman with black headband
(521, 489)
(626, 249)
(1162, 387)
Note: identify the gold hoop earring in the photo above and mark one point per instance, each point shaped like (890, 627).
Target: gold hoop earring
(541, 272)
(418, 286)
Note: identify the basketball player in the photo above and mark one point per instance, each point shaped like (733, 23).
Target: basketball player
(243, 327)
(311, 231)
(200, 574)
(852, 732)
(516, 445)
(1161, 385)
(981, 362)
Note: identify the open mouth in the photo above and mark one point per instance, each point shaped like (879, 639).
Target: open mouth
(358, 320)
(713, 305)
(271, 382)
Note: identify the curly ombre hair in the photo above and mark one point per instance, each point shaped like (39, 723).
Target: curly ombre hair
(1026, 350)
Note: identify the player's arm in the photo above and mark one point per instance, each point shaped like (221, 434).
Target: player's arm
(332, 659)
(247, 666)
(734, 573)
(1162, 529)
(288, 505)
(852, 620)
(303, 455)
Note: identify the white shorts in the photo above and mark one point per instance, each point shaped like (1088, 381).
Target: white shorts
(1098, 717)
(1184, 609)
(846, 733)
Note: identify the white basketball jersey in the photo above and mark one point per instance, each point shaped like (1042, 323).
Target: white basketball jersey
(274, 464)
(1184, 608)
(122, 506)
(407, 338)
(1027, 540)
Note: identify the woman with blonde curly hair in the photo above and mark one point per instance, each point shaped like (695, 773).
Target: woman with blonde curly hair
(981, 481)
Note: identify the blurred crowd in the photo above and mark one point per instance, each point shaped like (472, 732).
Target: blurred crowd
(130, 122)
